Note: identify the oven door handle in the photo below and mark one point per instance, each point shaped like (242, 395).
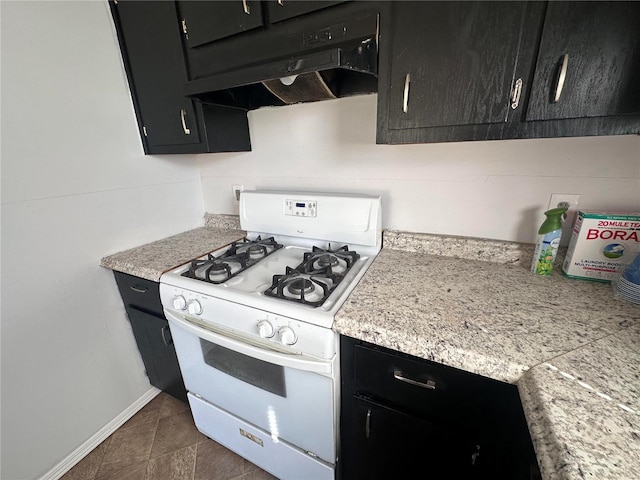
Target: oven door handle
(295, 361)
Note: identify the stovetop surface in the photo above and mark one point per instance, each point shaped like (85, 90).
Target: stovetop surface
(255, 286)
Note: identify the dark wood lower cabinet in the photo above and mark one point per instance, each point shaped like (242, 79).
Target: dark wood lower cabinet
(391, 442)
(158, 353)
(401, 415)
(141, 299)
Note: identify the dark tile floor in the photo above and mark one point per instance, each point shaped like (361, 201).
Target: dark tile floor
(161, 442)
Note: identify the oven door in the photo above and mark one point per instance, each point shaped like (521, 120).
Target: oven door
(291, 397)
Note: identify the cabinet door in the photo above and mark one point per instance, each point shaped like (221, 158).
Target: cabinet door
(389, 443)
(444, 423)
(152, 42)
(589, 61)
(158, 353)
(452, 63)
(206, 22)
(285, 9)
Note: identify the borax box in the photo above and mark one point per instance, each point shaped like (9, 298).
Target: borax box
(601, 244)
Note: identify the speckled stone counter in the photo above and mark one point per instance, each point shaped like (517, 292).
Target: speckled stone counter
(583, 408)
(150, 261)
(229, 222)
(498, 320)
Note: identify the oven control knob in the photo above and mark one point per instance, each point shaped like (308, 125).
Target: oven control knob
(265, 329)
(194, 307)
(287, 336)
(179, 303)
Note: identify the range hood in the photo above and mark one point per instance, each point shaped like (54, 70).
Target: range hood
(341, 70)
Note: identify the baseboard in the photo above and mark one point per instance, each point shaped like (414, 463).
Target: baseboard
(83, 450)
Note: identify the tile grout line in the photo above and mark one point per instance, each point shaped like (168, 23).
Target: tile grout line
(195, 461)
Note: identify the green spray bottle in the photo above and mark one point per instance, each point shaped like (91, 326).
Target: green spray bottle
(548, 242)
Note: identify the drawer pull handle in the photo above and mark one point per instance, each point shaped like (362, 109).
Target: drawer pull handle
(398, 375)
(515, 96)
(561, 78)
(138, 289)
(169, 342)
(405, 96)
(183, 120)
(367, 425)
(245, 7)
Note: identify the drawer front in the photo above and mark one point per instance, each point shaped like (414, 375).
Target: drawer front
(423, 388)
(139, 293)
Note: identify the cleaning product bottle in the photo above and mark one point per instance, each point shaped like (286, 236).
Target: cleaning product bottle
(548, 241)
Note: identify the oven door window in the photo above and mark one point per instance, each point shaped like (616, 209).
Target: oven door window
(253, 371)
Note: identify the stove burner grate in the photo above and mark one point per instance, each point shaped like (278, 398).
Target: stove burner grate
(315, 278)
(238, 257)
(340, 260)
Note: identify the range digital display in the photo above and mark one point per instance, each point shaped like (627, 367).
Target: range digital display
(300, 208)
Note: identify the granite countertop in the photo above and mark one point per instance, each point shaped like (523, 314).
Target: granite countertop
(570, 346)
(150, 261)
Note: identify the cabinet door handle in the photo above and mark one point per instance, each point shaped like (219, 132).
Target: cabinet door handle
(281, 3)
(245, 7)
(515, 96)
(138, 289)
(405, 97)
(561, 78)
(163, 331)
(398, 375)
(367, 424)
(183, 115)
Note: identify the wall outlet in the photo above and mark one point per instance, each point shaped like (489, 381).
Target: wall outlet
(569, 200)
(236, 189)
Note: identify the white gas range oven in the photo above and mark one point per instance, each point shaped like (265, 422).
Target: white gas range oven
(251, 324)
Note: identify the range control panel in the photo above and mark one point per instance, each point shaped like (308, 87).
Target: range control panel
(300, 208)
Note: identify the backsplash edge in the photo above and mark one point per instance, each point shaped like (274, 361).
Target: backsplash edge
(471, 248)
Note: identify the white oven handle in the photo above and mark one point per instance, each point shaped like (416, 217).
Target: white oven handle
(295, 361)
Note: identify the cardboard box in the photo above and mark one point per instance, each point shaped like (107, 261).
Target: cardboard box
(602, 243)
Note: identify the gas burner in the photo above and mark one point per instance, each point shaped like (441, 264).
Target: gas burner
(327, 260)
(237, 258)
(297, 286)
(339, 260)
(300, 286)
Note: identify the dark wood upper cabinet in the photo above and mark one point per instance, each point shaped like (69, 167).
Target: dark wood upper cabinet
(205, 22)
(458, 71)
(155, 59)
(453, 62)
(208, 21)
(280, 10)
(589, 61)
(447, 70)
(150, 40)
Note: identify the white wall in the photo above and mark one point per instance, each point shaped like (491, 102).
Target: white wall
(492, 189)
(75, 187)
